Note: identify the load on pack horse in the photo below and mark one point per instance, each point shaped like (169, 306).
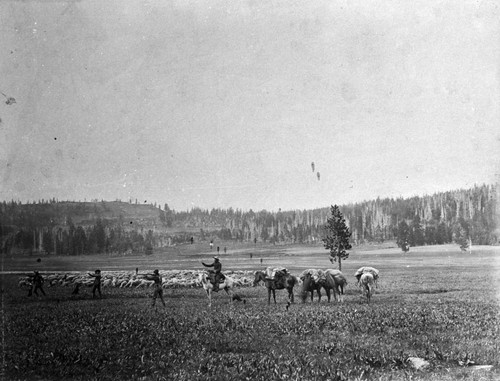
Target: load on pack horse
(315, 280)
(276, 279)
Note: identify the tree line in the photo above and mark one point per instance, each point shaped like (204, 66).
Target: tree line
(76, 228)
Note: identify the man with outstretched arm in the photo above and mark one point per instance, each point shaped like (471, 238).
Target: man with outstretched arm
(158, 289)
(217, 271)
(97, 283)
(36, 284)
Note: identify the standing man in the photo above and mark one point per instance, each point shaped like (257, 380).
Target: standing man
(217, 271)
(97, 283)
(36, 284)
(158, 289)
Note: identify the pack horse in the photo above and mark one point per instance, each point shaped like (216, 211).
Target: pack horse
(276, 279)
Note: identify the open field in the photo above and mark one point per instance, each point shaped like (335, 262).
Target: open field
(434, 303)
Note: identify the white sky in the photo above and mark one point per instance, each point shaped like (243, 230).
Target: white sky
(227, 103)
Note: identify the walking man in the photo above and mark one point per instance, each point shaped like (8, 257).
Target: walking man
(97, 283)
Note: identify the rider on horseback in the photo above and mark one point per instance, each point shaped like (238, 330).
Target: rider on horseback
(216, 271)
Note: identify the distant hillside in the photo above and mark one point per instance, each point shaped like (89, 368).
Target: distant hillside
(95, 227)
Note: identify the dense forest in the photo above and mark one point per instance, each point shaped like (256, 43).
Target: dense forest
(76, 228)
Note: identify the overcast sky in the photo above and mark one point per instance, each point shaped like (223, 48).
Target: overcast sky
(227, 103)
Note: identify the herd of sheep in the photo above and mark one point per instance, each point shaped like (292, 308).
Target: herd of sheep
(123, 279)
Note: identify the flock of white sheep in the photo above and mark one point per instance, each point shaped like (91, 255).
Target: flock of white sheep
(123, 279)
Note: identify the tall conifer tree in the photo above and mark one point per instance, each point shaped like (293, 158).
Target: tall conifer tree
(337, 236)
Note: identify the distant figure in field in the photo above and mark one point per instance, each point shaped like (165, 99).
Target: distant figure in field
(218, 249)
(158, 289)
(36, 284)
(251, 255)
(137, 271)
(97, 283)
(217, 272)
(261, 260)
(192, 240)
(225, 249)
(211, 244)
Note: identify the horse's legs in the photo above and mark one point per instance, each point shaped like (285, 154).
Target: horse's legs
(268, 296)
(327, 290)
(274, 296)
(209, 294)
(290, 294)
(319, 295)
(335, 292)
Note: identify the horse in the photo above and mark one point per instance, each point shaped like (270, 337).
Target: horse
(287, 281)
(339, 282)
(367, 269)
(366, 283)
(227, 285)
(314, 280)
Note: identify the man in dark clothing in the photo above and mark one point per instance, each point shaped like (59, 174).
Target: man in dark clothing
(97, 283)
(217, 272)
(158, 289)
(36, 284)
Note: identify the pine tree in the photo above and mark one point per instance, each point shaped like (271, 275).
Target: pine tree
(461, 237)
(337, 236)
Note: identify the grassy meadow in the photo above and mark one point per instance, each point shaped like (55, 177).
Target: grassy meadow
(435, 303)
